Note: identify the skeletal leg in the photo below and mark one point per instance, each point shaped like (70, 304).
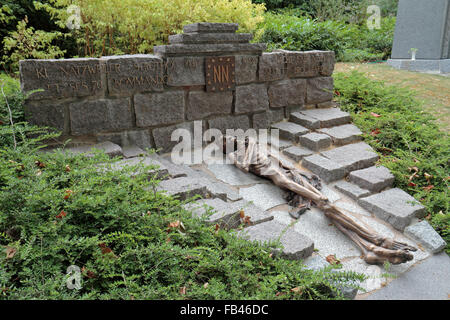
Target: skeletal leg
(335, 214)
(283, 181)
(373, 254)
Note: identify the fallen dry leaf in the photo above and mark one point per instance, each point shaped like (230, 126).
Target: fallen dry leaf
(428, 188)
(67, 168)
(10, 252)
(205, 285)
(376, 115)
(61, 215)
(297, 290)
(331, 259)
(183, 290)
(242, 214)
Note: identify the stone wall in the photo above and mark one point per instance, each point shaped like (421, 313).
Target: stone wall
(140, 99)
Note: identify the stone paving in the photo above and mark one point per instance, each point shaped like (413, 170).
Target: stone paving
(351, 181)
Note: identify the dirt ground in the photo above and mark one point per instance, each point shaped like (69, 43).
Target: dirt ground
(432, 89)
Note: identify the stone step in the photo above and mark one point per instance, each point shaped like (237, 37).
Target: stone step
(297, 153)
(353, 156)
(426, 235)
(132, 151)
(394, 206)
(184, 188)
(328, 117)
(295, 246)
(111, 149)
(227, 214)
(373, 178)
(326, 169)
(351, 190)
(344, 134)
(290, 130)
(315, 141)
(160, 171)
(281, 144)
(304, 120)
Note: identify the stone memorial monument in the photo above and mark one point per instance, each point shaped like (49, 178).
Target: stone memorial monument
(421, 38)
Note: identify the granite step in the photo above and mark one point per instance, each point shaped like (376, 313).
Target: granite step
(315, 141)
(184, 188)
(290, 130)
(326, 169)
(227, 214)
(297, 153)
(353, 156)
(343, 134)
(351, 190)
(321, 118)
(394, 206)
(160, 171)
(109, 148)
(294, 245)
(373, 178)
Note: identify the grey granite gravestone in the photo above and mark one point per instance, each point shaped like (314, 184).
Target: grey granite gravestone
(423, 25)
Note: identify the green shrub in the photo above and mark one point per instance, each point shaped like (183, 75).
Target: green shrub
(288, 30)
(129, 241)
(406, 137)
(110, 27)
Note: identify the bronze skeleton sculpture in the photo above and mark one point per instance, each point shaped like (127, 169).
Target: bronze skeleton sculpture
(248, 156)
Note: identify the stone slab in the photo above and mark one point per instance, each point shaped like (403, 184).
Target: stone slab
(210, 37)
(209, 27)
(163, 136)
(246, 67)
(351, 190)
(319, 90)
(373, 178)
(353, 156)
(132, 151)
(305, 64)
(66, 78)
(289, 130)
(430, 280)
(271, 66)
(47, 113)
(394, 206)
(327, 238)
(230, 122)
(109, 148)
(281, 144)
(287, 93)
(184, 188)
(295, 246)
(433, 66)
(139, 138)
(297, 153)
(204, 104)
(94, 116)
(227, 214)
(251, 98)
(159, 108)
(159, 171)
(328, 117)
(265, 119)
(185, 71)
(264, 196)
(325, 168)
(304, 120)
(230, 174)
(315, 141)
(128, 74)
(344, 134)
(426, 235)
(209, 49)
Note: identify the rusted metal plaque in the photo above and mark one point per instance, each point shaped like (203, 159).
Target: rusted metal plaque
(220, 74)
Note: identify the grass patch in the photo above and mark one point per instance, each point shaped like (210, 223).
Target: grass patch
(406, 137)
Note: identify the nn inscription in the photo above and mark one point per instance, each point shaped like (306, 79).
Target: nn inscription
(220, 73)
